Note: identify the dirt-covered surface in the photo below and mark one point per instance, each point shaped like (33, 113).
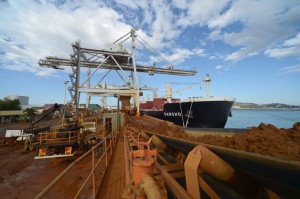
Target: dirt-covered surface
(21, 177)
(22, 125)
(265, 139)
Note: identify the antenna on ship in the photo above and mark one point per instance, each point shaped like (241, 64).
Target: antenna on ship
(207, 80)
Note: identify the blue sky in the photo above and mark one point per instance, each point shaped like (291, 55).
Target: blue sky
(251, 49)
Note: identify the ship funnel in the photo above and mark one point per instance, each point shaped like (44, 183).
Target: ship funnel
(207, 80)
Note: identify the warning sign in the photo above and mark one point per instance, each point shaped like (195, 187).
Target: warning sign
(42, 152)
(68, 150)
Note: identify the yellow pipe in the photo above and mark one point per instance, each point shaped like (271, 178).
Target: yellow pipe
(180, 157)
(223, 171)
(150, 187)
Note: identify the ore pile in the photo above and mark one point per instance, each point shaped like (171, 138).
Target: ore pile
(153, 125)
(264, 139)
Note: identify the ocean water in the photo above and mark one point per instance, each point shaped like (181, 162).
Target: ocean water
(248, 118)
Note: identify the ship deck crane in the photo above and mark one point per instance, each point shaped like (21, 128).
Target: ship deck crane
(169, 91)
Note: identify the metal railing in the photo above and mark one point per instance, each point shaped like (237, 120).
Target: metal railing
(62, 125)
(111, 138)
(54, 136)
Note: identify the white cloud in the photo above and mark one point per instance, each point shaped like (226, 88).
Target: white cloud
(215, 35)
(290, 47)
(199, 52)
(178, 55)
(218, 67)
(44, 29)
(283, 52)
(181, 4)
(216, 56)
(155, 20)
(34, 29)
(289, 70)
(212, 57)
(254, 32)
(293, 42)
(200, 12)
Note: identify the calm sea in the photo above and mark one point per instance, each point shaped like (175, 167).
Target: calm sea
(278, 118)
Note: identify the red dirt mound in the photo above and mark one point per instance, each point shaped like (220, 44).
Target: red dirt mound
(265, 139)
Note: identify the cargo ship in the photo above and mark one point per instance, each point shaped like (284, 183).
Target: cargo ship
(195, 112)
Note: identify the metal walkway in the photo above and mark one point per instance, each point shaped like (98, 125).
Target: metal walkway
(113, 182)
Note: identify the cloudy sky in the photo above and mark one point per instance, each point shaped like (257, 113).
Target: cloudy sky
(251, 49)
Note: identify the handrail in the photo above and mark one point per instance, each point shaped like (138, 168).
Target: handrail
(86, 119)
(56, 127)
(92, 150)
(46, 136)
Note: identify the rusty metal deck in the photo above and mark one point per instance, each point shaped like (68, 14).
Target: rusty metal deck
(113, 182)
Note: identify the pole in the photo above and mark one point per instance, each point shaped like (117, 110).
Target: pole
(66, 82)
(137, 90)
(118, 113)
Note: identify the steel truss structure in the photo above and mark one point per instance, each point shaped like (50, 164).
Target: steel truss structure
(115, 58)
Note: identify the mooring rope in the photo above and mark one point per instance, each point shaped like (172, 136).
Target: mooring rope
(187, 120)
(181, 115)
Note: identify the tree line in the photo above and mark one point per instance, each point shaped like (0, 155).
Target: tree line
(14, 105)
(10, 105)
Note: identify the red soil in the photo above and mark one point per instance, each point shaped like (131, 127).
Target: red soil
(264, 139)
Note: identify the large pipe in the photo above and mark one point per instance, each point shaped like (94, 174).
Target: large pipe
(221, 170)
(214, 165)
(180, 157)
(253, 167)
(150, 187)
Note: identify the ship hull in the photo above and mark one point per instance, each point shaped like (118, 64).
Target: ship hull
(200, 114)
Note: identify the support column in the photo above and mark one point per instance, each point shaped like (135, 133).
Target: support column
(137, 89)
(77, 93)
(88, 84)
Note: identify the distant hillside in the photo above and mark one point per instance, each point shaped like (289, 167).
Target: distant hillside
(243, 105)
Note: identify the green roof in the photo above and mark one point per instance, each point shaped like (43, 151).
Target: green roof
(11, 113)
(92, 106)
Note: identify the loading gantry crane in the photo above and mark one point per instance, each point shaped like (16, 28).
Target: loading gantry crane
(113, 58)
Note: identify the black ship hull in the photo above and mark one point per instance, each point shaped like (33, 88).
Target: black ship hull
(199, 114)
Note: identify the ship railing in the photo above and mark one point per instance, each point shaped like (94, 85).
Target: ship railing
(107, 144)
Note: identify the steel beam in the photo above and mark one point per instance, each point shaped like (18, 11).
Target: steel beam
(103, 52)
(53, 62)
(99, 90)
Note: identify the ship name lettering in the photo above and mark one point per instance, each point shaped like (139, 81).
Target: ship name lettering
(173, 114)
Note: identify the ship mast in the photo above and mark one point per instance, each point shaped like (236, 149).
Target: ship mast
(207, 80)
(168, 92)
